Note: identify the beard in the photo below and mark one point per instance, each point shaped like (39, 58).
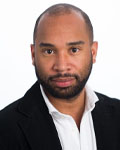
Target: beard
(64, 92)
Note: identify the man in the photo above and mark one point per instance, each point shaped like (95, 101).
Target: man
(60, 111)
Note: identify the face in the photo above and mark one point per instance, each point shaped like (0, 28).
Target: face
(63, 55)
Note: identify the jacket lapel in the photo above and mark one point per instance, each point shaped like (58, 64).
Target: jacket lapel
(37, 125)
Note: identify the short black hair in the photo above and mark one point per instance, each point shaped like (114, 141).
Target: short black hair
(61, 9)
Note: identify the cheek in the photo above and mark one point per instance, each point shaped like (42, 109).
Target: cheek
(83, 62)
(43, 65)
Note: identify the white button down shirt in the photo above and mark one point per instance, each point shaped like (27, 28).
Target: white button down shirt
(69, 135)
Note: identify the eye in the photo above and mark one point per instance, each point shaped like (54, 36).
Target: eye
(74, 50)
(48, 51)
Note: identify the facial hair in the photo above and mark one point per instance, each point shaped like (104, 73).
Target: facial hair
(64, 92)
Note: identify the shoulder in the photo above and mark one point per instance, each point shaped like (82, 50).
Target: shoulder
(106, 99)
(9, 117)
(9, 130)
(27, 106)
(13, 108)
(107, 104)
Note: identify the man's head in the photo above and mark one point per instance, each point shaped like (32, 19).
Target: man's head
(63, 51)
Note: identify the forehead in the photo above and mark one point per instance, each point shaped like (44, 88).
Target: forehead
(61, 26)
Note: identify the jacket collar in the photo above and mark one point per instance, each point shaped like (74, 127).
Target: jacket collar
(32, 100)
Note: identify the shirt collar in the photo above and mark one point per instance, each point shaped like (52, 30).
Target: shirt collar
(91, 99)
(51, 108)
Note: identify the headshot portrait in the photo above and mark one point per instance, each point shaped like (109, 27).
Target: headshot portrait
(62, 105)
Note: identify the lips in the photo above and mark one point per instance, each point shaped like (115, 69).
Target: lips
(63, 82)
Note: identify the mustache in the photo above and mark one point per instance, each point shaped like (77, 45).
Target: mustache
(59, 75)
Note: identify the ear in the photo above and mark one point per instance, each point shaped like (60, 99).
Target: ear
(33, 53)
(94, 49)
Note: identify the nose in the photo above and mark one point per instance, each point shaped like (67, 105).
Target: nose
(62, 63)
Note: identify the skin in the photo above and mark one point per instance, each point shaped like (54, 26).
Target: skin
(68, 50)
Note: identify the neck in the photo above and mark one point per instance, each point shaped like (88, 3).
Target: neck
(73, 107)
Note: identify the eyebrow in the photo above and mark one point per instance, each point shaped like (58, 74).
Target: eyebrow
(76, 43)
(69, 44)
(46, 45)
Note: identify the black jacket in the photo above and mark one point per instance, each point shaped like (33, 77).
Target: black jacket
(27, 125)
